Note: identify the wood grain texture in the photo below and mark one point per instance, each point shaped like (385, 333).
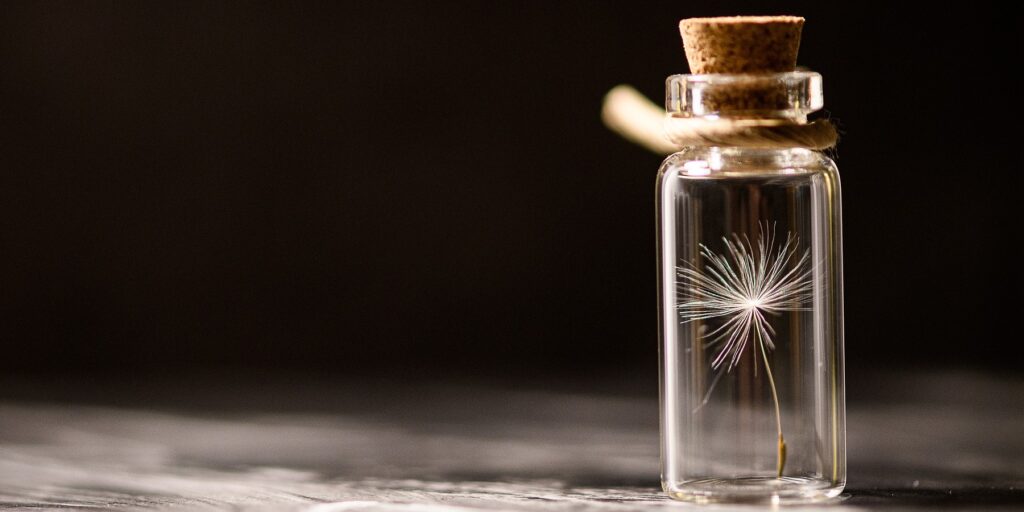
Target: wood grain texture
(950, 441)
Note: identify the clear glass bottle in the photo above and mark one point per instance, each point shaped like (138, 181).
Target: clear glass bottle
(751, 307)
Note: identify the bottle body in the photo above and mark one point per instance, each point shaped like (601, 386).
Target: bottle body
(751, 325)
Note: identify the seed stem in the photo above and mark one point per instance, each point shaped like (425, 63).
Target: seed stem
(781, 459)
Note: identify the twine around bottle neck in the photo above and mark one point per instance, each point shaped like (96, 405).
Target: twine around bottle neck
(750, 132)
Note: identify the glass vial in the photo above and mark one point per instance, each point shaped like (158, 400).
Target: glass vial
(751, 308)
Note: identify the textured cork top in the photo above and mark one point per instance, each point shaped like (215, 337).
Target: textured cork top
(741, 44)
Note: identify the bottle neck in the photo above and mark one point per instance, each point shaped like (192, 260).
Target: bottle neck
(746, 110)
(724, 162)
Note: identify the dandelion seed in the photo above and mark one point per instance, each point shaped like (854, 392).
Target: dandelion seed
(742, 287)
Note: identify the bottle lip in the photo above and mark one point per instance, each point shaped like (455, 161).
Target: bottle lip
(789, 76)
(790, 95)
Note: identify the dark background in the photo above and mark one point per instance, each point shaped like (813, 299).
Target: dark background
(425, 188)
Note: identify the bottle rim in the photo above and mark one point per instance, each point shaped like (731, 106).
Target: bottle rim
(790, 95)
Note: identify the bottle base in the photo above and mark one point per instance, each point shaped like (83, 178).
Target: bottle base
(760, 490)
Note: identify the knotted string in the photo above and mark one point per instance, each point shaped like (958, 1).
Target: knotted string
(636, 118)
(761, 133)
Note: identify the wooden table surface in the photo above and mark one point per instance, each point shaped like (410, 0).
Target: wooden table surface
(929, 440)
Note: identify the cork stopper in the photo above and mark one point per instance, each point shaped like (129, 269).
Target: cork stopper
(741, 44)
(757, 47)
